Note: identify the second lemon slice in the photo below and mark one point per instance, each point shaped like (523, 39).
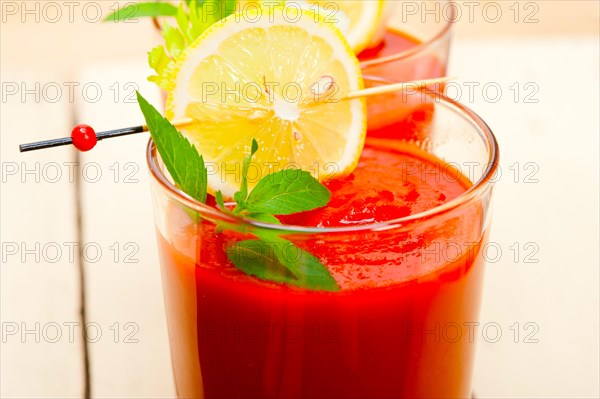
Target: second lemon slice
(362, 21)
(277, 77)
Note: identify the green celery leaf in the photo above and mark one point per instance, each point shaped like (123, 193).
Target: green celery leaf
(184, 23)
(160, 81)
(161, 63)
(191, 22)
(180, 157)
(199, 22)
(135, 10)
(158, 59)
(173, 39)
(286, 192)
(230, 7)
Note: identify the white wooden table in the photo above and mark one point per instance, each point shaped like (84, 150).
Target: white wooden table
(546, 206)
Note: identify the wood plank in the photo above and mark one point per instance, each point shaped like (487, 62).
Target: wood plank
(38, 278)
(124, 285)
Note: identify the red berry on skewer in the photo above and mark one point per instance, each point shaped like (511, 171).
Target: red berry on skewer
(84, 137)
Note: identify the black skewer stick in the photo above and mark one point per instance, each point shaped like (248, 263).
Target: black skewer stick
(38, 145)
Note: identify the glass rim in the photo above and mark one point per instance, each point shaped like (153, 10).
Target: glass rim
(419, 48)
(472, 192)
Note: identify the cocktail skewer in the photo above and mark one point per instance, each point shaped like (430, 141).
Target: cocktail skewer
(84, 137)
(99, 136)
(392, 87)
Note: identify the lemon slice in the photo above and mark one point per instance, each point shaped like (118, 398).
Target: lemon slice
(276, 77)
(361, 21)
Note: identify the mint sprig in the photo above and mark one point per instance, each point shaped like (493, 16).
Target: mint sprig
(180, 157)
(269, 256)
(280, 193)
(240, 196)
(286, 192)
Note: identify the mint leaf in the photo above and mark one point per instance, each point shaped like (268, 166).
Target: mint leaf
(286, 192)
(135, 10)
(255, 257)
(219, 200)
(279, 260)
(280, 193)
(263, 217)
(180, 157)
(240, 196)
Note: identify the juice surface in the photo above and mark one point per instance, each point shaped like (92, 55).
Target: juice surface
(389, 60)
(392, 180)
(388, 333)
(394, 41)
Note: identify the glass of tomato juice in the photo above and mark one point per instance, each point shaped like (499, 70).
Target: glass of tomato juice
(415, 45)
(402, 236)
(415, 42)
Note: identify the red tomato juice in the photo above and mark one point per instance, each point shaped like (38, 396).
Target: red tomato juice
(390, 59)
(398, 327)
(400, 109)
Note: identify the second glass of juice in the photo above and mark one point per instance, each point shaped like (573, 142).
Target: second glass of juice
(415, 46)
(415, 43)
(402, 237)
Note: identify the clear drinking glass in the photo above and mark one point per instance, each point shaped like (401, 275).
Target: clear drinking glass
(232, 335)
(415, 46)
(416, 42)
